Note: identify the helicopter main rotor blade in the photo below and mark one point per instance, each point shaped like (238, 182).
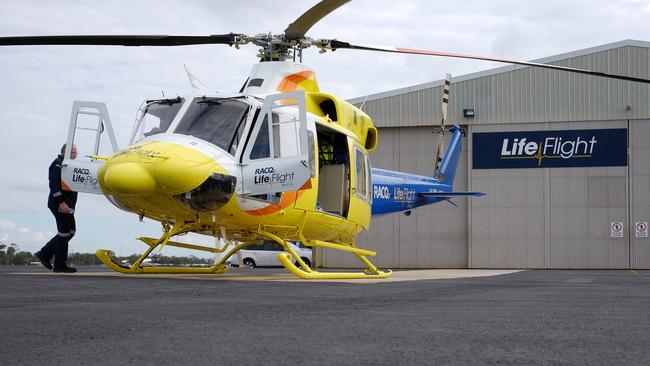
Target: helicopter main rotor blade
(122, 40)
(300, 26)
(334, 44)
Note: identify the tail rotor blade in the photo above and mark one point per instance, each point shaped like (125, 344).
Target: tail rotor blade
(445, 99)
(443, 121)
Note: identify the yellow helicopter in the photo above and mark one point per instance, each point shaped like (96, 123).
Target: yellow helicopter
(278, 160)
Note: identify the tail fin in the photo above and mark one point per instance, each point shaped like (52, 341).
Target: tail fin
(447, 169)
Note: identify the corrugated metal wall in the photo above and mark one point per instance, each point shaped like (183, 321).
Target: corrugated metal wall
(507, 225)
(528, 95)
(640, 191)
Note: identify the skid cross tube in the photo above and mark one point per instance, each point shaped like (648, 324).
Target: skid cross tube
(286, 247)
(305, 272)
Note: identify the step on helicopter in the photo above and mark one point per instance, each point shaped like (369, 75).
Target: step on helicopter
(278, 161)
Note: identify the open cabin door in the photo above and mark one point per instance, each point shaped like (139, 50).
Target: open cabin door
(278, 156)
(88, 121)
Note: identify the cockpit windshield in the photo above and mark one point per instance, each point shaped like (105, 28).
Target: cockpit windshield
(155, 117)
(219, 121)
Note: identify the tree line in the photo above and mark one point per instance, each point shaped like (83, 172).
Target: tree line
(10, 254)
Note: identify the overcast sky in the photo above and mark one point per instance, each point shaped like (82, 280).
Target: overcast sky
(39, 83)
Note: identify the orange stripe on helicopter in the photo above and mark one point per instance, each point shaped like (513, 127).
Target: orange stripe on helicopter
(64, 187)
(287, 199)
(304, 80)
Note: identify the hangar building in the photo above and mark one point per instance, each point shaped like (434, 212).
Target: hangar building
(578, 197)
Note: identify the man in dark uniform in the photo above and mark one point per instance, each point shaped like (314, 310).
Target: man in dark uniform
(61, 202)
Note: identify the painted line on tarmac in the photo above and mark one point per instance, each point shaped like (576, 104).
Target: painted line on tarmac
(398, 276)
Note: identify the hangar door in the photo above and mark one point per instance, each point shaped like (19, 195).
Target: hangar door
(549, 217)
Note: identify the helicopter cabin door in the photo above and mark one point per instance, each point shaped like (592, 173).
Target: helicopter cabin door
(278, 156)
(360, 186)
(88, 122)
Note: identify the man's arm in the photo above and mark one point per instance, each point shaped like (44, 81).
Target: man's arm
(55, 186)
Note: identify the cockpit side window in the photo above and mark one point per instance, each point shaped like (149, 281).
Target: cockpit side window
(218, 121)
(237, 137)
(261, 147)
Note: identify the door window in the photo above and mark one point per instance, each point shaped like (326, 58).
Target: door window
(361, 173)
(286, 135)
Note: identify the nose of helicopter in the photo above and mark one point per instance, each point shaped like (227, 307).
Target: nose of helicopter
(170, 169)
(128, 178)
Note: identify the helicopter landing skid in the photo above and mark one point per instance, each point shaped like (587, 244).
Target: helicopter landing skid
(306, 272)
(137, 267)
(105, 257)
(285, 259)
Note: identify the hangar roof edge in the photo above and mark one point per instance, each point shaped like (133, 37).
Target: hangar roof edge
(502, 69)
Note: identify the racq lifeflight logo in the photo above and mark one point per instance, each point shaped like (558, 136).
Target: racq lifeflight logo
(550, 149)
(268, 175)
(82, 178)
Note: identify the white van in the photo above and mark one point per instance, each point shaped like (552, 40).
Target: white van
(265, 255)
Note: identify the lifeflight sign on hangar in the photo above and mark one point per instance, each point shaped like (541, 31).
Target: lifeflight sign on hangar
(549, 149)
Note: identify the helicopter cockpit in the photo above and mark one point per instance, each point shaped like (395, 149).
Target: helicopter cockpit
(219, 121)
(268, 136)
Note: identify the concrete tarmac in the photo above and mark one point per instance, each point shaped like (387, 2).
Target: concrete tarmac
(264, 317)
